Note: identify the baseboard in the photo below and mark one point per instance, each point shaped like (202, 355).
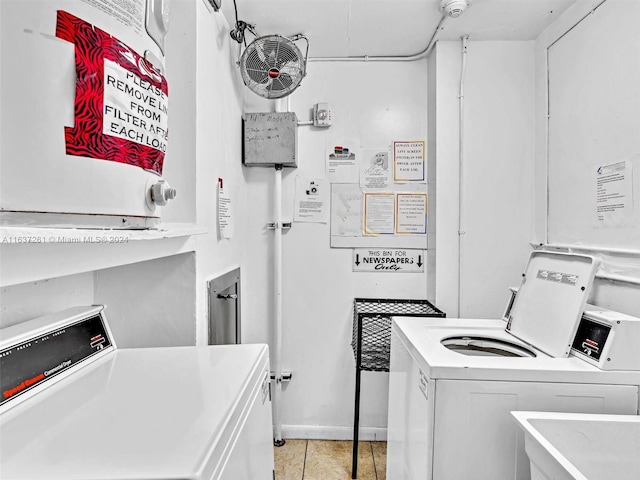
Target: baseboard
(322, 432)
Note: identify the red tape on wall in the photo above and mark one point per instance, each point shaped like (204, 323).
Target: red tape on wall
(121, 104)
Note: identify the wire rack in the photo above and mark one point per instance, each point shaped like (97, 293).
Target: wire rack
(371, 343)
(372, 328)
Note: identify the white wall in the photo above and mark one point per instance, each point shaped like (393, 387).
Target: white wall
(497, 172)
(375, 103)
(445, 79)
(150, 304)
(610, 288)
(593, 121)
(33, 299)
(180, 167)
(498, 210)
(432, 169)
(218, 117)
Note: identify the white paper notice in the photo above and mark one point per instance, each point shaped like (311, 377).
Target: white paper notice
(342, 162)
(129, 13)
(375, 173)
(225, 215)
(614, 195)
(412, 213)
(312, 200)
(134, 109)
(408, 161)
(379, 213)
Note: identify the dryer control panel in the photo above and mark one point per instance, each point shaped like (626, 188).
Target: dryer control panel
(609, 340)
(38, 352)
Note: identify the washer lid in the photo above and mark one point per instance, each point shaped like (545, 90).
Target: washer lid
(551, 299)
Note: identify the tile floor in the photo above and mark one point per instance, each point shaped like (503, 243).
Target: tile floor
(329, 460)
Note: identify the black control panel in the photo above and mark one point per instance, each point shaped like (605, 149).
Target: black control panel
(33, 362)
(591, 338)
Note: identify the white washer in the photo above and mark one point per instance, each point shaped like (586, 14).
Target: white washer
(454, 382)
(86, 410)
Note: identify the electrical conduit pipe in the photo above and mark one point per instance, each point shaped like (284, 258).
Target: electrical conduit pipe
(277, 285)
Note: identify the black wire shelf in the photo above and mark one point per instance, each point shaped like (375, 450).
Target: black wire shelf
(371, 333)
(371, 342)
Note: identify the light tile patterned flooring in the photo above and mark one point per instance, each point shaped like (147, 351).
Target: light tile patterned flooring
(329, 460)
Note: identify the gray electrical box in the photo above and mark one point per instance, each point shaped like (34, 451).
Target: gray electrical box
(270, 139)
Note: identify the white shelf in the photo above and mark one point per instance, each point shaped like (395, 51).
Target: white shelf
(31, 235)
(30, 254)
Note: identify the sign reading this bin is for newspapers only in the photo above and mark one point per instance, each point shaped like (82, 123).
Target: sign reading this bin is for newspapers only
(388, 260)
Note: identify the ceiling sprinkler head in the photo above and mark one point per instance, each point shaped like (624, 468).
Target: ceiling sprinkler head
(453, 8)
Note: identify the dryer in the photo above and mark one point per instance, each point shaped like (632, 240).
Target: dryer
(454, 382)
(76, 407)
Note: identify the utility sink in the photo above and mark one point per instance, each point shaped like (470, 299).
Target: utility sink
(566, 446)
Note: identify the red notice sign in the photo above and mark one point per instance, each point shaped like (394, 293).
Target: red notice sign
(121, 105)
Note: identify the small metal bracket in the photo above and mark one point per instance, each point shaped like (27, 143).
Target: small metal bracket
(285, 225)
(286, 376)
(228, 296)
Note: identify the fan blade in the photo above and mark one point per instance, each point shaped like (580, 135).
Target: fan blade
(270, 51)
(254, 67)
(293, 69)
(258, 76)
(286, 56)
(258, 72)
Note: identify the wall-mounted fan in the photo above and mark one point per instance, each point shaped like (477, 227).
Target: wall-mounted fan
(273, 66)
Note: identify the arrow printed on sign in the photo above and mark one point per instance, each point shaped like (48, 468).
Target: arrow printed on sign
(419, 260)
(357, 262)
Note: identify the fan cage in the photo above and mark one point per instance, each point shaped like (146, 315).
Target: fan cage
(272, 66)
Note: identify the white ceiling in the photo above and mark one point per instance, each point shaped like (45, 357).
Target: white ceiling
(339, 28)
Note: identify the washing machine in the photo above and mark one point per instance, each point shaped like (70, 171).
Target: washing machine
(76, 407)
(454, 382)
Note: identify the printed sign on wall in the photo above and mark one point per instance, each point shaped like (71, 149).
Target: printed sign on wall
(411, 212)
(614, 195)
(409, 162)
(121, 106)
(388, 260)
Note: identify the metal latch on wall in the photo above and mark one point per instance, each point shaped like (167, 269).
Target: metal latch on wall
(285, 225)
(286, 376)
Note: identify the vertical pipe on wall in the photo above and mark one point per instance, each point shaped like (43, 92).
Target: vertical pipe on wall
(277, 287)
(546, 146)
(461, 231)
(284, 104)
